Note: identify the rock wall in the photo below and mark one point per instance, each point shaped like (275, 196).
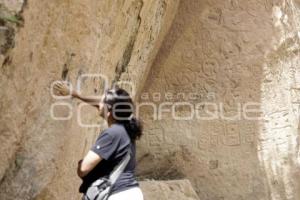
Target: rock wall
(164, 190)
(279, 137)
(65, 40)
(219, 57)
(221, 63)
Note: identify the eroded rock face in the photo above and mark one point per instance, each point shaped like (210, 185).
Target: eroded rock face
(165, 190)
(223, 56)
(14, 6)
(219, 58)
(9, 20)
(65, 40)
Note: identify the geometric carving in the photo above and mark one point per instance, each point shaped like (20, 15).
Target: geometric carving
(232, 134)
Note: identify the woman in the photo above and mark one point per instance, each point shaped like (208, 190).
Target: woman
(116, 107)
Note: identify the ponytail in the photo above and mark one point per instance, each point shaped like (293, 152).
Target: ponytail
(121, 105)
(134, 128)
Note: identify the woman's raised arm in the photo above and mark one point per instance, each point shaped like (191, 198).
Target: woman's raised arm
(63, 89)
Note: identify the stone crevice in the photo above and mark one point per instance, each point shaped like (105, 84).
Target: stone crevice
(127, 54)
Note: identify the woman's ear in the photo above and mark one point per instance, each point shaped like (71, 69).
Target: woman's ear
(109, 115)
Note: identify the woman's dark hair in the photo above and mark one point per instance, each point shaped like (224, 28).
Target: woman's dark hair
(121, 105)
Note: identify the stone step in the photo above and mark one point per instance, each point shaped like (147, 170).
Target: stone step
(168, 190)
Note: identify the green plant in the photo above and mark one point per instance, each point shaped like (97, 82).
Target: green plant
(12, 19)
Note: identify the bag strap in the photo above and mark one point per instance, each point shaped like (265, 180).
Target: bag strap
(120, 168)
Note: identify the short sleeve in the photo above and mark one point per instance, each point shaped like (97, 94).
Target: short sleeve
(105, 145)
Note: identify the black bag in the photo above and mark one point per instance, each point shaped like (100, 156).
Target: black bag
(101, 188)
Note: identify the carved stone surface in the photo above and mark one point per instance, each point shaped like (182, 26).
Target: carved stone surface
(66, 40)
(243, 52)
(229, 68)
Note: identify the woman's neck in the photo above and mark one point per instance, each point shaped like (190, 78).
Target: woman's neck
(110, 122)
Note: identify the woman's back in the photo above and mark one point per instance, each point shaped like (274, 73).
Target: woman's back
(112, 146)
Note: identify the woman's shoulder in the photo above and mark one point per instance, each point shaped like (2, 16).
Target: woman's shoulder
(115, 130)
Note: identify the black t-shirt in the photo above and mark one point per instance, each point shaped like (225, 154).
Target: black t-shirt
(112, 146)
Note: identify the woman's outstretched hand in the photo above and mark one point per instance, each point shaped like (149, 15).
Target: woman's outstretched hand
(63, 89)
